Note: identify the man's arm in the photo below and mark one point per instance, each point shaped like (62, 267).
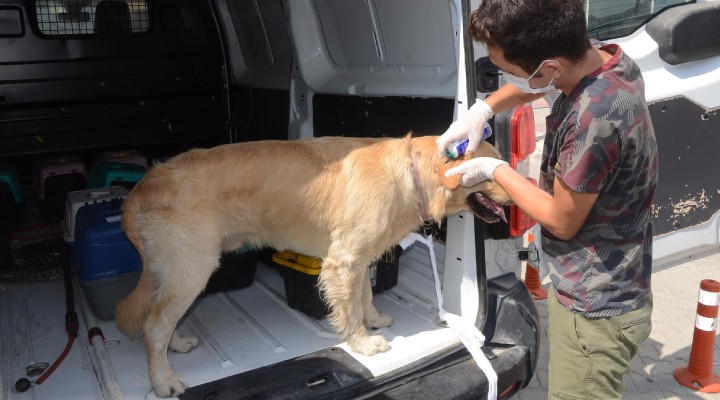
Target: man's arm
(470, 124)
(562, 213)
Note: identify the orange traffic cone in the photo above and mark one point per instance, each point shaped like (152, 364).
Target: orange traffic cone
(698, 374)
(532, 277)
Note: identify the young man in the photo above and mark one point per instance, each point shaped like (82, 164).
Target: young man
(598, 179)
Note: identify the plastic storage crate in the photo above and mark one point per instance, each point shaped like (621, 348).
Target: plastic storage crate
(300, 275)
(10, 200)
(54, 178)
(109, 265)
(124, 156)
(237, 270)
(81, 198)
(9, 178)
(159, 160)
(105, 174)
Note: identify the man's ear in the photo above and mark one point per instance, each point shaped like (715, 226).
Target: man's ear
(454, 181)
(556, 68)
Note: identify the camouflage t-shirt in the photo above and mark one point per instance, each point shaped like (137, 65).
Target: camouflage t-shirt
(600, 140)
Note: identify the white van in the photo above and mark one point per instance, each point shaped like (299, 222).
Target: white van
(82, 78)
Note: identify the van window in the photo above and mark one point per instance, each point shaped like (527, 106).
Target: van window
(609, 19)
(91, 17)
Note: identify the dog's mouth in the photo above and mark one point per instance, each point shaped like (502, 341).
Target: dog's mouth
(485, 208)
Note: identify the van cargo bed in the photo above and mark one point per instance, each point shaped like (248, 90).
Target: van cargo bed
(240, 330)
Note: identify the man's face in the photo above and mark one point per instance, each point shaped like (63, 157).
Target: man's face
(539, 79)
(498, 58)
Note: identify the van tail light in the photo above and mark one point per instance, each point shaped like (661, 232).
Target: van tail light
(522, 146)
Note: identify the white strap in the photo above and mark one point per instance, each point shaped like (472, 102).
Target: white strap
(470, 336)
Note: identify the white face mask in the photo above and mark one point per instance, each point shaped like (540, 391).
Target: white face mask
(524, 83)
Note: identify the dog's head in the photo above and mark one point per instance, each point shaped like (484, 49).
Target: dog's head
(484, 199)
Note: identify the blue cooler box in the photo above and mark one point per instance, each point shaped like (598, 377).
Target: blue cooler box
(109, 265)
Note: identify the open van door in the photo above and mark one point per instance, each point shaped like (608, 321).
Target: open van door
(180, 74)
(676, 44)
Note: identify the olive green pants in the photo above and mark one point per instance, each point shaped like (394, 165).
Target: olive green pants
(590, 356)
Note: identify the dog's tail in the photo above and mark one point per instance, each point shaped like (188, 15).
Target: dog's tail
(128, 219)
(130, 312)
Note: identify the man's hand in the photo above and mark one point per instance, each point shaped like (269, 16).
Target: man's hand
(476, 170)
(469, 125)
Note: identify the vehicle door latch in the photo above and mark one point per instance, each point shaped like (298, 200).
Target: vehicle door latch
(530, 254)
(486, 75)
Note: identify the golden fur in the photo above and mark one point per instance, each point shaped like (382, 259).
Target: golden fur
(346, 200)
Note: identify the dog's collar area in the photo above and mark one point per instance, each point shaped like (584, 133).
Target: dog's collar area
(420, 189)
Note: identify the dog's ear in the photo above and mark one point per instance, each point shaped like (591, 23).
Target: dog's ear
(454, 181)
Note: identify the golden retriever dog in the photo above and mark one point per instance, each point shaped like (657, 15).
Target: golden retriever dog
(345, 200)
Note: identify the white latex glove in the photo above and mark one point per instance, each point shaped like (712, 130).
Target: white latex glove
(468, 126)
(476, 170)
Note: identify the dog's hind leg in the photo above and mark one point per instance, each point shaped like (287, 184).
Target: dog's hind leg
(182, 344)
(341, 281)
(371, 317)
(181, 284)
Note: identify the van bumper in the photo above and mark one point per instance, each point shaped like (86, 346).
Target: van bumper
(512, 339)
(512, 333)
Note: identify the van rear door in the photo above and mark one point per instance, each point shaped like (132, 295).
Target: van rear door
(677, 46)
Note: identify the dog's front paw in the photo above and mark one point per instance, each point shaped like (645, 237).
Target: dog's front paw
(170, 386)
(183, 344)
(370, 345)
(381, 320)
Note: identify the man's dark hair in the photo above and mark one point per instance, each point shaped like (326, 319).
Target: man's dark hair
(530, 31)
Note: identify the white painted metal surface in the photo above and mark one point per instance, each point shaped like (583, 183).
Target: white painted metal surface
(240, 330)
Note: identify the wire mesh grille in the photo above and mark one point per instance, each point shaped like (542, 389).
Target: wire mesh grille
(92, 17)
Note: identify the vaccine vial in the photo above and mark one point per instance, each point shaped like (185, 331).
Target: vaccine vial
(457, 148)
